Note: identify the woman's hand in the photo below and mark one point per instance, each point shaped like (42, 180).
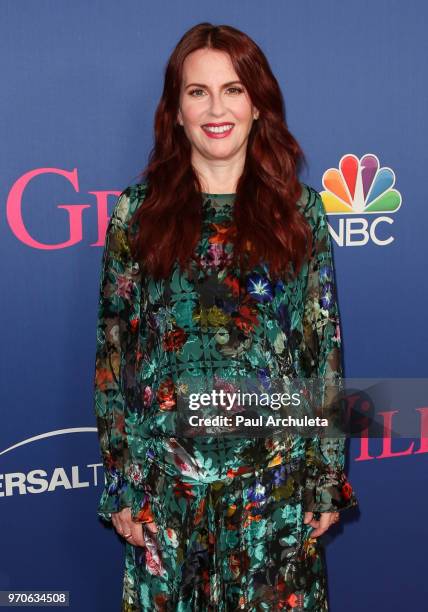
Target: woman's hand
(326, 520)
(132, 532)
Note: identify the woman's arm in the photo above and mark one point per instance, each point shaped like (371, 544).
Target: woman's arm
(327, 488)
(117, 311)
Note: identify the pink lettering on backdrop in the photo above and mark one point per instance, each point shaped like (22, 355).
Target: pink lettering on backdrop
(387, 452)
(387, 440)
(75, 211)
(424, 430)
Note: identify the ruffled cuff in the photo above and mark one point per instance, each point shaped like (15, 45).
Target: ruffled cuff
(116, 495)
(120, 493)
(328, 492)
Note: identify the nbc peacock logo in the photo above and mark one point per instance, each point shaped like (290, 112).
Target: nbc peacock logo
(360, 187)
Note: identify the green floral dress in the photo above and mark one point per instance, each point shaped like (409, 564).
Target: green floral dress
(229, 510)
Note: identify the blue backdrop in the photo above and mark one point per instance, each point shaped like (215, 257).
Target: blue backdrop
(80, 83)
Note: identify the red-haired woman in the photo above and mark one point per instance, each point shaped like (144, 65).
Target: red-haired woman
(217, 275)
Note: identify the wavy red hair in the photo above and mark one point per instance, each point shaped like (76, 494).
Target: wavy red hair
(267, 225)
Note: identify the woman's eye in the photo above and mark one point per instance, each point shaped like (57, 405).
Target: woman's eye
(239, 90)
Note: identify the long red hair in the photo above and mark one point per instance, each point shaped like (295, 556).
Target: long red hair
(266, 222)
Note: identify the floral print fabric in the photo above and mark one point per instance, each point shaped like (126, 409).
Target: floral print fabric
(229, 510)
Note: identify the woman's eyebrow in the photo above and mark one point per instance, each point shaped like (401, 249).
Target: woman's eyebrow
(202, 84)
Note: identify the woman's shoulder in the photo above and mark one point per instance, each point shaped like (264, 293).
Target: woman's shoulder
(311, 205)
(128, 201)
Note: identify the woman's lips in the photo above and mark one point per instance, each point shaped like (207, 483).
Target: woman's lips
(222, 134)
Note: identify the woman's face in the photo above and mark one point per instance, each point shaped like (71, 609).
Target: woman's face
(212, 95)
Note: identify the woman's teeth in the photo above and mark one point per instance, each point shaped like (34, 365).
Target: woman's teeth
(218, 130)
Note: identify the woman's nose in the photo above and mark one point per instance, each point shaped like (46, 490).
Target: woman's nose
(217, 106)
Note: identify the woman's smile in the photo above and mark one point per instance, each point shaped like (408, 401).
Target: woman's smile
(220, 130)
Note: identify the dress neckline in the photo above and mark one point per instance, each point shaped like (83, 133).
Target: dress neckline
(217, 195)
(218, 201)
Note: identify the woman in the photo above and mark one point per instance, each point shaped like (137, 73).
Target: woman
(217, 268)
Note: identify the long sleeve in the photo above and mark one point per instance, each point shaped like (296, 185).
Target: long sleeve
(327, 488)
(117, 327)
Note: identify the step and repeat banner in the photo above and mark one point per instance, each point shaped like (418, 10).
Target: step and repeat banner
(80, 84)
